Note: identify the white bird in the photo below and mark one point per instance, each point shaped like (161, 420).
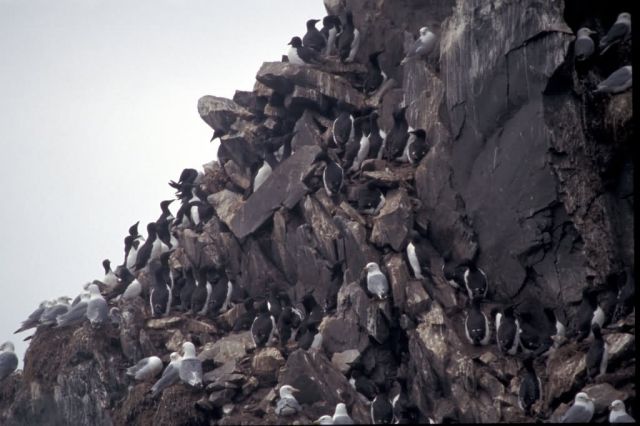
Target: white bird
(8, 360)
(146, 368)
(584, 46)
(618, 32)
(133, 290)
(581, 411)
(324, 420)
(363, 152)
(619, 81)
(618, 414)
(263, 173)
(422, 46)
(341, 416)
(377, 283)
(190, 366)
(97, 308)
(170, 375)
(110, 279)
(287, 405)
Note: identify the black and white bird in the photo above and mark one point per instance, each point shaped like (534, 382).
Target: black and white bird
(131, 246)
(417, 146)
(377, 283)
(332, 176)
(313, 312)
(110, 279)
(187, 290)
(375, 76)
(530, 387)
(397, 137)
(417, 255)
(381, 410)
(133, 232)
(352, 147)
(159, 296)
(245, 320)
(619, 81)
(617, 415)
(97, 308)
(424, 45)
(133, 290)
(166, 213)
(8, 360)
(302, 55)
(507, 331)
(362, 384)
(558, 318)
(306, 335)
(331, 26)
(287, 405)
(370, 199)
(220, 295)
(475, 280)
(313, 38)
(261, 176)
(201, 296)
(144, 253)
(598, 355)
(476, 325)
(581, 411)
(376, 137)
(589, 313)
(363, 145)
(170, 375)
(620, 30)
(348, 40)
(263, 327)
(342, 128)
(190, 366)
(145, 369)
(584, 45)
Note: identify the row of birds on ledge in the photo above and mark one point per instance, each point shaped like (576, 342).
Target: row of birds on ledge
(209, 292)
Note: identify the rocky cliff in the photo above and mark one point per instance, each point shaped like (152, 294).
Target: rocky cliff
(529, 174)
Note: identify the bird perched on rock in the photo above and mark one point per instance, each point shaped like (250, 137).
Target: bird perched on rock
(97, 308)
(617, 415)
(145, 369)
(348, 40)
(363, 145)
(475, 280)
(620, 30)
(362, 384)
(396, 139)
(187, 289)
(417, 255)
(34, 318)
(581, 411)
(245, 320)
(619, 81)
(144, 252)
(584, 46)
(261, 176)
(589, 312)
(133, 290)
(8, 360)
(558, 319)
(331, 27)
(424, 45)
(190, 366)
(110, 279)
(201, 295)
(301, 55)
(507, 331)
(375, 76)
(598, 354)
(263, 326)
(324, 420)
(341, 416)
(342, 128)
(530, 387)
(76, 314)
(170, 375)
(476, 325)
(313, 38)
(377, 283)
(417, 146)
(376, 137)
(131, 246)
(381, 410)
(59, 307)
(287, 405)
(160, 294)
(370, 199)
(353, 146)
(332, 176)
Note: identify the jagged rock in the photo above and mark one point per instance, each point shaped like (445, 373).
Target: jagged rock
(619, 345)
(284, 77)
(221, 113)
(231, 347)
(237, 175)
(566, 364)
(164, 323)
(221, 374)
(307, 132)
(266, 363)
(394, 221)
(226, 203)
(324, 229)
(284, 187)
(603, 394)
(175, 341)
(343, 360)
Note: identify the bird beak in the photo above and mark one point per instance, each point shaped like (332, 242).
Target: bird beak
(289, 43)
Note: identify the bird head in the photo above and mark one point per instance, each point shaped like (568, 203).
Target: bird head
(295, 42)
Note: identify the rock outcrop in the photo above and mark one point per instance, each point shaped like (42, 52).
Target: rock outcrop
(528, 174)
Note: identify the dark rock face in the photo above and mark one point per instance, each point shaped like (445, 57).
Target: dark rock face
(528, 175)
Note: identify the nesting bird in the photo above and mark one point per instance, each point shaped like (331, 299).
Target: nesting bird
(348, 40)
(341, 416)
(598, 354)
(170, 375)
(146, 368)
(507, 331)
(617, 415)
(424, 45)
(8, 360)
(313, 38)
(377, 283)
(263, 326)
(620, 30)
(584, 45)
(619, 81)
(190, 367)
(530, 387)
(476, 325)
(97, 308)
(475, 281)
(581, 411)
(287, 405)
(302, 55)
(375, 76)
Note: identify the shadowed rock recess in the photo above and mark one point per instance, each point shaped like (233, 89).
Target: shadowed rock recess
(529, 175)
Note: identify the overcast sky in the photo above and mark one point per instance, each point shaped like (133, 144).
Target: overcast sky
(98, 111)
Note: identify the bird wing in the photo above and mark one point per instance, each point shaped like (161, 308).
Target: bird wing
(8, 364)
(584, 47)
(191, 371)
(170, 375)
(74, 315)
(133, 370)
(618, 30)
(576, 414)
(97, 310)
(617, 78)
(377, 284)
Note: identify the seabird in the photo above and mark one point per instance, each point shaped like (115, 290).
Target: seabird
(348, 40)
(301, 55)
(144, 253)
(475, 280)
(370, 199)
(530, 387)
(558, 319)
(417, 146)
(287, 405)
(133, 290)
(313, 38)
(332, 176)
(170, 375)
(190, 366)
(8, 360)
(396, 139)
(375, 76)
(476, 325)
(381, 410)
(110, 279)
(362, 384)
(245, 320)
(188, 177)
(360, 128)
(285, 325)
(97, 308)
(584, 46)
(263, 326)
(422, 46)
(618, 32)
(342, 128)
(34, 318)
(589, 312)
(166, 213)
(313, 311)
(220, 295)
(417, 255)
(306, 335)
(363, 146)
(146, 368)
(598, 354)
(160, 291)
(619, 81)
(341, 416)
(324, 420)
(331, 26)
(201, 296)
(59, 307)
(187, 290)
(376, 136)
(263, 173)
(76, 314)
(131, 246)
(581, 411)
(617, 415)
(507, 331)
(377, 283)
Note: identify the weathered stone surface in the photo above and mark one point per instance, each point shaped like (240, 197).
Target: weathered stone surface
(220, 113)
(620, 346)
(266, 363)
(228, 348)
(284, 187)
(394, 221)
(226, 203)
(237, 175)
(306, 132)
(343, 360)
(283, 77)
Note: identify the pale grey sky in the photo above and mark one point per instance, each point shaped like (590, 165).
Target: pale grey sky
(98, 112)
